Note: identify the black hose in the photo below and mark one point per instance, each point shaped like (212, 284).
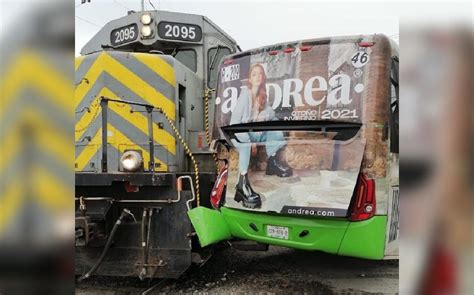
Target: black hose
(107, 246)
(150, 214)
(144, 243)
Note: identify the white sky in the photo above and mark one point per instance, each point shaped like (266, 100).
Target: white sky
(259, 22)
(256, 23)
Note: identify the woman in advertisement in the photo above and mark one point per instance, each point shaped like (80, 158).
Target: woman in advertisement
(253, 106)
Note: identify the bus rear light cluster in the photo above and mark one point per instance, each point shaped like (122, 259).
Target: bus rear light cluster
(368, 208)
(363, 202)
(290, 49)
(217, 193)
(366, 44)
(228, 62)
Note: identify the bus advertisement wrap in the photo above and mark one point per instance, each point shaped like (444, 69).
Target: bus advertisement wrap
(286, 170)
(324, 82)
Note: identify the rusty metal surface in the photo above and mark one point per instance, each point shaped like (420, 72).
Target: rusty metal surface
(376, 109)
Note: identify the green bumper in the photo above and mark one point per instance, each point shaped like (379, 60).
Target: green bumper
(364, 239)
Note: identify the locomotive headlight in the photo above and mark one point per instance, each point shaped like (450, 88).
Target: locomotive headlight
(146, 19)
(146, 31)
(131, 161)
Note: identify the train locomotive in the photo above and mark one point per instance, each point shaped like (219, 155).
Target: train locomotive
(142, 158)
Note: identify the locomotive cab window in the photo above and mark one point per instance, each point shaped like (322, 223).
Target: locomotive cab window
(214, 56)
(187, 57)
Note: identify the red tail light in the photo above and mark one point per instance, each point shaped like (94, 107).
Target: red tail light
(228, 62)
(363, 202)
(305, 48)
(366, 44)
(288, 50)
(217, 199)
(273, 52)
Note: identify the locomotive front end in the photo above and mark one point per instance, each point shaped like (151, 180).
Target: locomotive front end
(141, 163)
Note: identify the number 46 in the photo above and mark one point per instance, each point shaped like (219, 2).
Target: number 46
(360, 58)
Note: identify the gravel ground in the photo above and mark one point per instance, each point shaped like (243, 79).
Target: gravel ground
(279, 270)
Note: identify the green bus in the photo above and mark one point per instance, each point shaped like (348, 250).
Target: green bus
(309, 134)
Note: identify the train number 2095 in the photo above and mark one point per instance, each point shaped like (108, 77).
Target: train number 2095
(124, 35)
(179, 31)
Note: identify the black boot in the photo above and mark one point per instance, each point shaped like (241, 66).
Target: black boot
(245, 193)
(278, 168)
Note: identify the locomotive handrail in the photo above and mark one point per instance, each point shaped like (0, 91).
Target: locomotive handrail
(188, 202)
(112, 200)
(207, 93)
(149, 108)
(127, 102)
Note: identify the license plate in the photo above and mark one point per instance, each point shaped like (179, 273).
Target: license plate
(279, 232)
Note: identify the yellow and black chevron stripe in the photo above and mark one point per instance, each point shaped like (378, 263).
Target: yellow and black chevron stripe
(36, 179)
(138, 77)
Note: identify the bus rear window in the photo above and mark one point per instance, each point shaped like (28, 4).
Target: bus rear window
(301, 136)
(295, 131)
(321, 80)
